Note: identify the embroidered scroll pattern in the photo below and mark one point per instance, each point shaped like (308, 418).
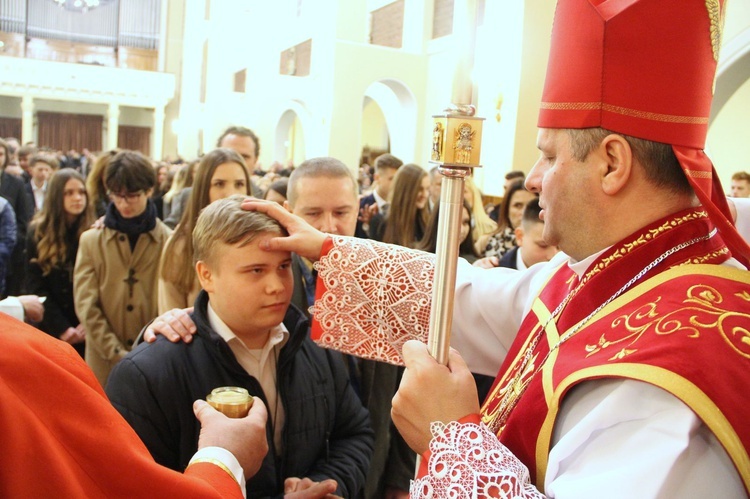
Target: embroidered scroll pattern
(467, 460)
(377, 297)
(702, 312)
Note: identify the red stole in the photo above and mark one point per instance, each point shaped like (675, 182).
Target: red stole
(645, 334)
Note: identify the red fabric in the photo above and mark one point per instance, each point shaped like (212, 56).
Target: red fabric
(62, 437)
(640, 67)
(700, 314)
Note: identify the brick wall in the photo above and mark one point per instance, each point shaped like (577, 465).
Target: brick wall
(387, 25)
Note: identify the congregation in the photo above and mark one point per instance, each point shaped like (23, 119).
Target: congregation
(106, 244)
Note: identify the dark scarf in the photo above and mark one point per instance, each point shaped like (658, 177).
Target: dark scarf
(132, 227)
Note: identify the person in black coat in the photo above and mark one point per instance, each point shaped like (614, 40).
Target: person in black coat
(51, 246)
(248, 336)
(13, 189)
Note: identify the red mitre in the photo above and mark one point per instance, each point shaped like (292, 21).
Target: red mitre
(643, 68)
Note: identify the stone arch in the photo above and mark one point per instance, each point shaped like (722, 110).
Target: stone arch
(399, 106)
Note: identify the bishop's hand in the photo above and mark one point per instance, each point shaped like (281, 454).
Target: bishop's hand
(431, 392)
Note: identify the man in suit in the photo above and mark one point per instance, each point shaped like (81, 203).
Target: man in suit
(386, 166)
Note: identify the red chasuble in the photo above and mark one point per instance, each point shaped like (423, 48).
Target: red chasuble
(62, 438)
(662, 326)
(655, 307)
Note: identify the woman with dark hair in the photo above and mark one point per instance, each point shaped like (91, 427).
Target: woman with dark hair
(509, 217)
(277, 191)
(465, 244)
(117, 267)
(221, 173)
(407, 216)
(51, 246)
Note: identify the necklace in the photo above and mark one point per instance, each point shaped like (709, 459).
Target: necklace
(514, 390)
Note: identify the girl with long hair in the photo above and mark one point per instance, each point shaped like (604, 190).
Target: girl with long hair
(482, 224)
(465, 244)
(510, 214)
(221, 173)
(407, 216)
(51, 246)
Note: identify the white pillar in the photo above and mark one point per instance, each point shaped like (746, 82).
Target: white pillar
(27, 119)
(157, 134)
(113, 123)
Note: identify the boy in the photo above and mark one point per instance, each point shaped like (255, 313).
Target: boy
(248, 335)
(531, 247)
(41, 168)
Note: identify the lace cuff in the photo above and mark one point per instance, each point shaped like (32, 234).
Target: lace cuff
(371, 298)
(468, 460)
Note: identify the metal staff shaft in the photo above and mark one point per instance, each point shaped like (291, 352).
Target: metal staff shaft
(443, 291)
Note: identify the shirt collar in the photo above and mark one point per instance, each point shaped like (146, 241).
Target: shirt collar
(278, 335)
(580, 267)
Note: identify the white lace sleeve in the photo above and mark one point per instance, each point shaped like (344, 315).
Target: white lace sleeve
(376, 297)
(468, 461)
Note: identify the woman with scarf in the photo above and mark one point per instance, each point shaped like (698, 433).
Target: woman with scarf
(117, 267)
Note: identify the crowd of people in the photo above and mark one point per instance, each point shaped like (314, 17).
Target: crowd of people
(598, 369)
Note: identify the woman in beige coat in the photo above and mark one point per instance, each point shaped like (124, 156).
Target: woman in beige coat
(116, 269)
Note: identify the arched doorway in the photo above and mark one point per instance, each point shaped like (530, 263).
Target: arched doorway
(292, 134)
(389, 118)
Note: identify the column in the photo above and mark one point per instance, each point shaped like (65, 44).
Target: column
(113, 123)
(27, 119)
(157, 134)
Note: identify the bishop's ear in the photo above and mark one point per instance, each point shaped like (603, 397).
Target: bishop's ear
(618, 158)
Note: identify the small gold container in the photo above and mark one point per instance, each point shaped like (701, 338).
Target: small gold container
(232, 401)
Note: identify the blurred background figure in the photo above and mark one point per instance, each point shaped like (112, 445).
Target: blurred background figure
(531, 247)
(97, 191)
(116, 271)
(41, 168)
(277, 191)
(220, 174)
(509, 215)
(51, 246)
(740, 185)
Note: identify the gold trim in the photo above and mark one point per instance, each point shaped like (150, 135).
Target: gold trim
(678, 386)
(553, 337)
(633, 113)
(215, 462)
(698, 174)
(742, 276)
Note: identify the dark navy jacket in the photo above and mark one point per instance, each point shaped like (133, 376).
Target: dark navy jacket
(326, 433)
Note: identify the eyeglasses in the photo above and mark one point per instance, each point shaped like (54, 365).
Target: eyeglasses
(128, 197)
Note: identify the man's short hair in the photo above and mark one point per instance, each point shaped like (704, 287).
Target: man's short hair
(387, 161)
(129, 171)
(224, 221)
(741, 176)
(241, 131)
(514, 174)
(657, 159)
(47, 159)
(27, 151)
(531, 214)
(318, 167)
(10, 143)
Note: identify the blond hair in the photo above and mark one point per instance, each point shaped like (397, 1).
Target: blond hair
(224, 221)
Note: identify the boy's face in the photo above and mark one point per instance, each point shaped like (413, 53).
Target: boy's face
(249, 288)
(41, 172)
(533, 247)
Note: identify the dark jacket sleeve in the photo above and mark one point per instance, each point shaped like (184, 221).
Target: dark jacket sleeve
(131, 394)
(55, 321)
(350, 443)
(7, 233)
